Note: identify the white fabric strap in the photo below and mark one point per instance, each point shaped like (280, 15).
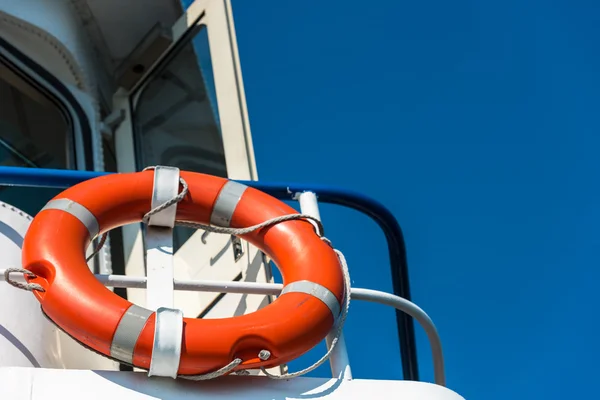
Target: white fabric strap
(168, 329)
(166, 351)
(159, 240)
(159, 267)
(166, 186)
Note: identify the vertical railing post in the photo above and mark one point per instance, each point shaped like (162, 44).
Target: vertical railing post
(339, 361)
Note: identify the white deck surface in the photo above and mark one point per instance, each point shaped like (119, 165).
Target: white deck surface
(44, 384)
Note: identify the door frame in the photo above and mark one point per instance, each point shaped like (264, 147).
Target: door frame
(215, 16)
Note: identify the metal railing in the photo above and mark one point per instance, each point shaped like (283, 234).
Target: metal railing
(61, 179)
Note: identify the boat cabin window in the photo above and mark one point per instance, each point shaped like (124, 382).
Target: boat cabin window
(176, 116)
(33, 133)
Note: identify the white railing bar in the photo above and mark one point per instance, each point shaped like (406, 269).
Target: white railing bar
(338, 360)
(374, 296)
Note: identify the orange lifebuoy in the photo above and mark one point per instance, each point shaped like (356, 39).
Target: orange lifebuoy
(78, 303)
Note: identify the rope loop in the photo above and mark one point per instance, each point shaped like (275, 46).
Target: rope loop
(337, 326)
(318, 226)
(212, 375)
(98, 246)
(25, 286)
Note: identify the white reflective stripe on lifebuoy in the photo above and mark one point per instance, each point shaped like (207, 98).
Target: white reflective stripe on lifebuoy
(316, 290)
(127, 333)
(227, 201)
(166, 350)
(78, 211)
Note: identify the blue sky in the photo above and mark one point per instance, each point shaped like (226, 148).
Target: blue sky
(477, 124)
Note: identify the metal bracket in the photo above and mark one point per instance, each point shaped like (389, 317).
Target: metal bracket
(204, 236)
(238, 249)
(158, 39)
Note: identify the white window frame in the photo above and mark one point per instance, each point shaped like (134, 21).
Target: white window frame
(77, 148)
(231, 101)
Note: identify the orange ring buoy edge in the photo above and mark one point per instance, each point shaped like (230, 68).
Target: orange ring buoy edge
(54, 250)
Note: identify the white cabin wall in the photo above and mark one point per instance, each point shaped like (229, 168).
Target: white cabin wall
(66, 38)
(50, 34)
(53, 35)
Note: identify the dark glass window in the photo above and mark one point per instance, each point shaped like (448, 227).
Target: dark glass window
(33, 134)
(176, 116)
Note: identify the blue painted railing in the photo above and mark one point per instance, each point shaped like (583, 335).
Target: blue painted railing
(54, 178)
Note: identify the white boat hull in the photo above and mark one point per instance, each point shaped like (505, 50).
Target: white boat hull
(44, 384)
(27, 337)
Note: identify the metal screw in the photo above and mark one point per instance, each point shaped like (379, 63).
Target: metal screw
(264, 355)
